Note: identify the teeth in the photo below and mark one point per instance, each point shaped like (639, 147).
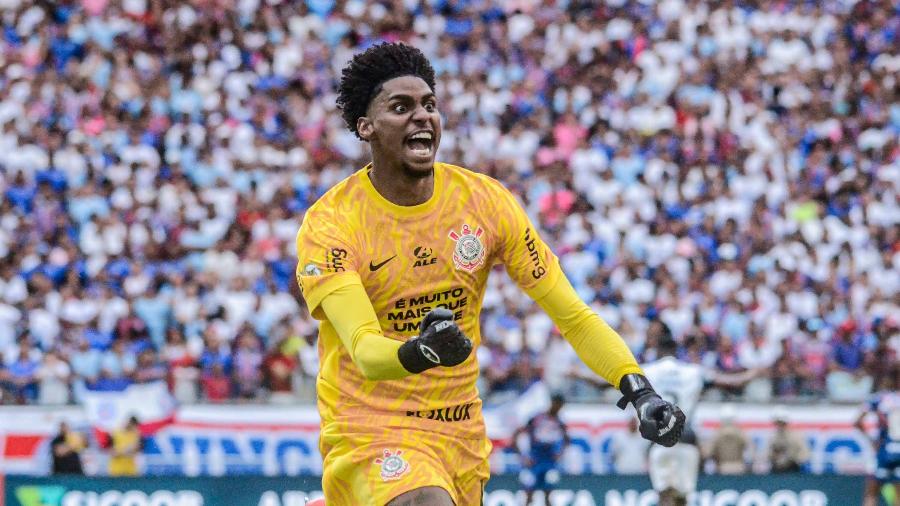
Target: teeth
(422, 135)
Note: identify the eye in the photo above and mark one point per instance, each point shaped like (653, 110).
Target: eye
(399, 108)
(430, 107)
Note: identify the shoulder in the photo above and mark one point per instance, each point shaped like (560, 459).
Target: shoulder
(335, 212)
(697, 369)
(475, 181)
(652, 367)
(342, 194)
(683, 365)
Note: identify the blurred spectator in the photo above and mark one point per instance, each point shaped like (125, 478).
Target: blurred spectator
(149, 368)
(53, 377)
(525, 373)
(248, 360)
(279, 367)
(215, 384)
(559, 360)
(695, 352)
(215, 352)
(847, 380)
(180, 358)
(154, 308)
(116, 367)
(309, 365)
(125, 447)
(629, 450)
(21, 374)
(788, 452)
(86, 367)
(758, 353)
(24, 348)
(496, 365)
(6, 396)
(883, 361)
(728, 362)
(66, 449)
(130, 327)
(729, 445)
(816, 352)
(789, 373)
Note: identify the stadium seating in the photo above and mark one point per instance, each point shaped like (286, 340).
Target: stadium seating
(728, 169)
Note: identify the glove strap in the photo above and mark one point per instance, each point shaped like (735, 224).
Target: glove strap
(413, 359)
(632, 387)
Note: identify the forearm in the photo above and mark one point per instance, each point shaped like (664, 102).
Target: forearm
(738, 379)
(349, 310)
(595, 342)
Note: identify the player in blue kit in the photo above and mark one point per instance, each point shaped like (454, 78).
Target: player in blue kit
(885, 405)
(547, 438)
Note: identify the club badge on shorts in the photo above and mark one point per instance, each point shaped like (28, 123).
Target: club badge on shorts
(468, 254)
(392, 465)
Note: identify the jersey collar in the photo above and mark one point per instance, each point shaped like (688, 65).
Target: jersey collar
(404, 211)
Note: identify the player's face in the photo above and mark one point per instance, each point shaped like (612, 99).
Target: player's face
(403, 125)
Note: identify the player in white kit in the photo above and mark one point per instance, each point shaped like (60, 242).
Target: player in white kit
(673, 471)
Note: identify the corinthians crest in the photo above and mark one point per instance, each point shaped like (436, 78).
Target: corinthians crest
(392, 465)
(468, 254)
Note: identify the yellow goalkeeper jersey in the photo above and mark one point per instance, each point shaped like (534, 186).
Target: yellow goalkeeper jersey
(410, 260)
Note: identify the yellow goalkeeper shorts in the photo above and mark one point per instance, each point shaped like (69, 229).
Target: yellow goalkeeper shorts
(371, 467)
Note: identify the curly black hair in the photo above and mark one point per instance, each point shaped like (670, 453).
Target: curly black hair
(362, 78)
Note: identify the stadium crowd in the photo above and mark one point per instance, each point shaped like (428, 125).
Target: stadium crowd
(724, 171)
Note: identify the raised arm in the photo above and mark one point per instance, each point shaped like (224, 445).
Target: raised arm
(534, 267)
(441, 343)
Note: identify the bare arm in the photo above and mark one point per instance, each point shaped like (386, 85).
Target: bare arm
(737, 379)
(859, 423)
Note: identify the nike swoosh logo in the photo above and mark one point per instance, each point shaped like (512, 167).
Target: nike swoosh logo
(375, 267)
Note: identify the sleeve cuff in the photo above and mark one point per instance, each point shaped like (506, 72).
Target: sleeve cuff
(624, 371)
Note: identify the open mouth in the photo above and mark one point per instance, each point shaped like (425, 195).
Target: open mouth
(421, 144)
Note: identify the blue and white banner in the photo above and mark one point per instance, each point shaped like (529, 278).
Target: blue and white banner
(151, 403)
(283, 440)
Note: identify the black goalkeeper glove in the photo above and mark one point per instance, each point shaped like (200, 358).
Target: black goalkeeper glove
(660, 421)
(440, 343)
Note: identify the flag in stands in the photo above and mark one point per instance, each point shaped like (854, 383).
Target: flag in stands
(151, 403)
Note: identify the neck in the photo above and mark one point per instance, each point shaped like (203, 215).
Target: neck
(398, 186)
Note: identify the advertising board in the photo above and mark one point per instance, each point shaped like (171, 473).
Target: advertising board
(503, 490)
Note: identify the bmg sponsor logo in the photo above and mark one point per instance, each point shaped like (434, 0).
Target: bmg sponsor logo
(534, 255)
(334, 260)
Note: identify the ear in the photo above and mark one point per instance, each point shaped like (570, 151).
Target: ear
(365, 128)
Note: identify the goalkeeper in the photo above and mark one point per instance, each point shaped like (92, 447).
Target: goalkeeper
(394, 261)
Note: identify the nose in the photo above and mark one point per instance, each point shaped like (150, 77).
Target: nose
(420, 114)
